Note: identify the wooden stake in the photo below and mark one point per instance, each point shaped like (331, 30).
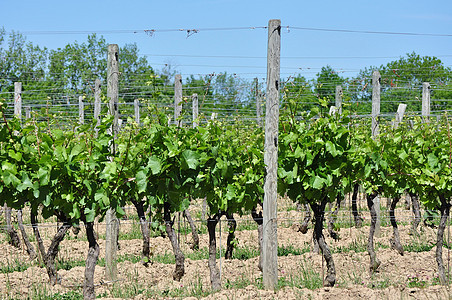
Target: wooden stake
(339, 94)
(112, 222)
(97, 101)
(376, 90)
(426, 101)
(178, 100)
(270, 242)
(194, 98)
(399, 115)
(81, 111)
(136, 104)
(18, 99)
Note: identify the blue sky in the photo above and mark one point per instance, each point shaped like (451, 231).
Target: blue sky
(243, 51)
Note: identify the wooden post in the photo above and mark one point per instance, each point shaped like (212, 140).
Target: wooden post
(18, 99)
(376, 90)
(194, 98)
(399, 115)
(425, 101)
(112, 85)
(178, 99)
(270, 241)
(339, 94)
(97, 107)
(81, 111)
(27, 112)
(136, 104)
(112, 223)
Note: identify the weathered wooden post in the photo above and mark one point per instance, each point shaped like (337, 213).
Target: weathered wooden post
(136, 104)
(81, 111)
(399, 115)
(97, 107)
(178, 100)
(339, 94)
(194, 102)
(270, 241)
(27, 112)
(426, 101)
(376, 91)
(112, 222)
(18, 99)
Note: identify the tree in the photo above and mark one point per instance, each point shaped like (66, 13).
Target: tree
(22, 61)
(401, 81)
(135, 72)
(298, 95)
(75, 67)
(326, 82)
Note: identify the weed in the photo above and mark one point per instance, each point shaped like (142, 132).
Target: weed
(290, 249)
(308, 278)
(418, 246)
(15, 265)
(121, 258)
(244, 253)
(379, 284)
(67, 264)
(40, 292)
(413, 281)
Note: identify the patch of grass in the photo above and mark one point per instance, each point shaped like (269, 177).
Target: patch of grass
(40, 292)
(167, 258)
(121, 258)
(413, 281)
(379, 284)
(193, 289)
(79, 237)
(290, 249)
(308, 277)
(246, 225)
(418, 246)
(68, 263)
(239, 283)
(355, 277)
(133, 234)
(15, 265)
(359, 245)
(126, 291)
(244, 253)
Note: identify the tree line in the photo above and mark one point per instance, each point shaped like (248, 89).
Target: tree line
(57, 75)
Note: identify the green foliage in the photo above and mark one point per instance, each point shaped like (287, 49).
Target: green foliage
(401, 80)
(326, 83)
(20, 61)
(307, 277)
(290, 249)
(232, 173)
(314, 158)
(298, 95)
(80, 172)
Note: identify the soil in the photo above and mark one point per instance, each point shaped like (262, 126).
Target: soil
(411, 276)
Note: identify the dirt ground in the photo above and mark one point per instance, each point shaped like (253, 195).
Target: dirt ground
(411, 276)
